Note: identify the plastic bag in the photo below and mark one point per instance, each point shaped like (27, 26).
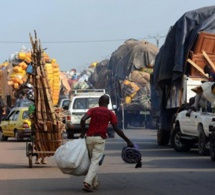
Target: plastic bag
(72, 157)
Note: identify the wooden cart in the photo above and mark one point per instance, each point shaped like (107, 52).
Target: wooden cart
(45, 147)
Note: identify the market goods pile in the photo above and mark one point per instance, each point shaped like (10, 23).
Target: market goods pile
(46, 121)
(22, 67)
(4, 90)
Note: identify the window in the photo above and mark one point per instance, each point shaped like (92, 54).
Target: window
(10, 117)
(85, 103)
(65, 103)
(25, 115)
(15, 116)
(93, 102)
(80, 103)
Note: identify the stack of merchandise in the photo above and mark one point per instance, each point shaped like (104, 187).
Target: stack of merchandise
(53, 74)
(46, 121)
(6, 92)
(2, 67)
(22, 66)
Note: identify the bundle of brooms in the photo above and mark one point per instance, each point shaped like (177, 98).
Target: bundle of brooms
(47, 125)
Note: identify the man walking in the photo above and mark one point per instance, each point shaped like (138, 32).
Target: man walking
(96, 137)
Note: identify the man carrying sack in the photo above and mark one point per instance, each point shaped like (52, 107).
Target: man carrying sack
(96, 138)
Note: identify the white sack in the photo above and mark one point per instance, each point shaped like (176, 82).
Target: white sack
(72, 157)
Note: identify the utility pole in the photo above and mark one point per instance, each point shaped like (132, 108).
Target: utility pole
(157, 38)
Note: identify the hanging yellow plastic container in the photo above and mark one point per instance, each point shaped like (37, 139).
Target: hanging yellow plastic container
(17, 69)
(127, 99)
(28, 55)
(23, 65)
(16, 85)
(53, 60)
(27, 60)
(21, 55)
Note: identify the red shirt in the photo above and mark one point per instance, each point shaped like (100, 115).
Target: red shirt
(100, 117)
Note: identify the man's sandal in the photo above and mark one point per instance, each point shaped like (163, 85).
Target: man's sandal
(87, 187)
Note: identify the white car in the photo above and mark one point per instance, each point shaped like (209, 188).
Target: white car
(188, 130)
(80, 104)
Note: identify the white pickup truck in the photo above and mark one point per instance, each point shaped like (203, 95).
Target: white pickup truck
(189, 129)
(192, 129)
(80, 103)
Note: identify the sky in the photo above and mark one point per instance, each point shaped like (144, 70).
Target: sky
(79, 32)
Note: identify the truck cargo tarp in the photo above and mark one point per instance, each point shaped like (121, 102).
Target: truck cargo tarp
(100, 72)
(132, 55)
(170, 62)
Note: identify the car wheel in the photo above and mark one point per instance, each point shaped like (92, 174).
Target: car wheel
(212, 146)
(178, 144)
(202, 141)
(2, 137)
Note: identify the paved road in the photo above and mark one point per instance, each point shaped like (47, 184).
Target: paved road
(163, 172)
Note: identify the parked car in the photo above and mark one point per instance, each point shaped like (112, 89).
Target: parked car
(17, 124)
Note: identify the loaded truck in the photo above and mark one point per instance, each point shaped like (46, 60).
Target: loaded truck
(188, 47)
(129, 72)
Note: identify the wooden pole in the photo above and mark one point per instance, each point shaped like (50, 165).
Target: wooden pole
(208, 59)
(196, 66)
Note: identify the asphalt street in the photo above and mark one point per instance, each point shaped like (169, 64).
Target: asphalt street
(163, 172)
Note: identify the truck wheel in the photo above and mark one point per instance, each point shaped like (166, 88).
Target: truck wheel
(202, 142)
(163, 137)
(212, 146)
(148, 125)
(177, 143)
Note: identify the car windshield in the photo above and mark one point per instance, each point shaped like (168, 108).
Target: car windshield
(85, 103)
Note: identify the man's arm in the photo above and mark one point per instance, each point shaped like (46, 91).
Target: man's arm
(83, 122)
(122, 135)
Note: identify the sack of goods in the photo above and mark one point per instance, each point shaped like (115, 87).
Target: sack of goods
(131, 155)
(72, 157)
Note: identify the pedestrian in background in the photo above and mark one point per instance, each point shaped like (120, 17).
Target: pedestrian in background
(96, 138)
(5, 111)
